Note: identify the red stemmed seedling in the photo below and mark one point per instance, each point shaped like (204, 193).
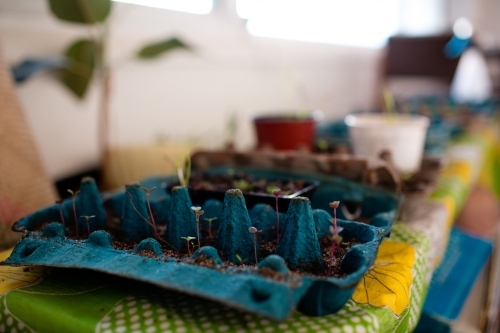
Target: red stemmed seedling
(60, 202)
(334, 205)
(210, 220)
(336, 238)
(277, 192)
(73, 198)
(87, 219)
(198, 212)
(188, 241)
(148, 196)
(255, 233)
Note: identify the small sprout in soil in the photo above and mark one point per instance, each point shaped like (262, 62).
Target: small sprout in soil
(198, 212)
(188, 241)
(183, 167)
(210, 220)
(242, 184)
(238, 257)
(87, 219)
(335, 230)
(336, 240)
(148, 196)
(60, 202)
(335, 205)
(255, 233)
(73, 198)
(277, 192)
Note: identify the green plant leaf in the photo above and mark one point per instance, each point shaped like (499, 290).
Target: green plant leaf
(154, 50)
(81, 11)
(80, 66)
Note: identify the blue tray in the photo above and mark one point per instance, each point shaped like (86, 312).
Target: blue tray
(241, 287)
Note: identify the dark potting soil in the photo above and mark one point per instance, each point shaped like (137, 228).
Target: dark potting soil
(147, 253)
(266, 248)
(242, 181)
(337, 270)
(203, 261)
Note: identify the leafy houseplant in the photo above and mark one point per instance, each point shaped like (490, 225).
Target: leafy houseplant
(86, 58)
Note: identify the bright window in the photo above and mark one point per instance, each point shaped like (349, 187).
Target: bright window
(363, 23)
(189, 6)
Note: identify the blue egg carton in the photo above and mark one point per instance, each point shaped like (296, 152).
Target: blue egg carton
(52, 240)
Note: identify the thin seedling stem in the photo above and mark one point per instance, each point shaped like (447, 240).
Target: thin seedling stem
(158, 237)
(87, 219)
(255, 248)
(151, 214)
(198, 212)
(188, 240)
(148, 196)
(277, 193)
(60, 201)
(278, 222)
(255, 233)
(198, 229)
(73, 195)
(336, 238)
(210, 220)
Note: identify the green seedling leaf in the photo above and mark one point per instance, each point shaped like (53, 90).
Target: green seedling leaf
(271, 189)
(81, 11)
(154, 50)
(238, 257)
(80, 66)
(242, 185)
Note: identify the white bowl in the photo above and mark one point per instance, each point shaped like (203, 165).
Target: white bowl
(402, 135)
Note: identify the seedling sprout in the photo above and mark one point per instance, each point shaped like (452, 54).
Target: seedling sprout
(87, 219)
(60, 202)
(210, 220)
(277, 192)
(188, 241)
(73, 198)
(336, 238)
(198, 212)
(148, 196)
(255, 233)
(239, 258)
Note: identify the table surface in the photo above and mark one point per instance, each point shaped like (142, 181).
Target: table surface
(389, 298)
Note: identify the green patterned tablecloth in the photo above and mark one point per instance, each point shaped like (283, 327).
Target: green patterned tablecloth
(388, 299)
(58, 300)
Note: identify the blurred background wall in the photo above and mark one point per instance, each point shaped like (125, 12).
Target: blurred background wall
(192, 96)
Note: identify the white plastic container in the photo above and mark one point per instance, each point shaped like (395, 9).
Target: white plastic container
(402, 135)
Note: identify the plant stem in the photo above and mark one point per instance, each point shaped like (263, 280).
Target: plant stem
(277, 222)
(335, 218)
(255, 248)
(189, 250)
(61, 212)
(210, 229)
(88, 226)
(74, 212)
(198, 229)
(150, 212)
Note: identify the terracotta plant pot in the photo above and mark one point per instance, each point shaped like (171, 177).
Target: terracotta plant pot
(285, 132)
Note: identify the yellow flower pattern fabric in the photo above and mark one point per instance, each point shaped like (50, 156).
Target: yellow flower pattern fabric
(389, 280)
(17, 277)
